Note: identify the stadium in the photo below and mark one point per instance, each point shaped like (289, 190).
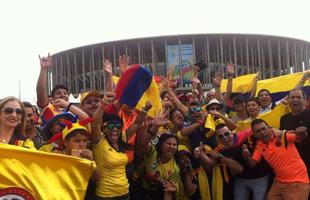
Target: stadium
(80, 68)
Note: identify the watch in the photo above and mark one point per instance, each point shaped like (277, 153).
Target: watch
(219, 157)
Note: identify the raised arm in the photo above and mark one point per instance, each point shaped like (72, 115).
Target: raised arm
(45, 63)
(107, 67)
(178, 103)
(60, 103)
(217, 81)
(254, 87)
(139, 120)
(149, 131)
(305, 77)
(230, 70)
(229, 123)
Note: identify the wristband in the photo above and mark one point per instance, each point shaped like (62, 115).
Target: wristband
(68, 108)
(200, 122)
(220, 156)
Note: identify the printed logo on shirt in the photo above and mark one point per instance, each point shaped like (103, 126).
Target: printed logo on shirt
(15, 193)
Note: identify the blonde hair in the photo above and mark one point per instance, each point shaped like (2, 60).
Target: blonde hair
(20, 128)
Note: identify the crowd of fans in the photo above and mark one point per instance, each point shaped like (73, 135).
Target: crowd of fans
(174, 155)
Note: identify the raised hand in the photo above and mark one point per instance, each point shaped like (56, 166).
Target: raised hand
(230, 69)
(46, 62)
(217, 80)
(148, 105)
(108, 98)
(107, 67)
(123, 61)
(199, 150)
(164, 81)
(160, 120)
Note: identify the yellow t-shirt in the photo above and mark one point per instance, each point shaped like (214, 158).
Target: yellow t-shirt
(184, 140)
(157, 171)
(111, 164)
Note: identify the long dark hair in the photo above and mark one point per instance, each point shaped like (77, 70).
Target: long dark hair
(162, 139)
(123, 146)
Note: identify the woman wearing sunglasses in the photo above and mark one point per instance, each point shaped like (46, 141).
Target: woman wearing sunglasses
(110, 154)
(12, 123)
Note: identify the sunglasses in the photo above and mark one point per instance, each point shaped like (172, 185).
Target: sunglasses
(196, 109)
(112, 126)
(226, 134)
(9, 111)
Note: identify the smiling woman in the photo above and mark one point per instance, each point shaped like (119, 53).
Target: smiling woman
(12, 123)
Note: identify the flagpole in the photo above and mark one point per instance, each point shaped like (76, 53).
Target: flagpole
(19, 89)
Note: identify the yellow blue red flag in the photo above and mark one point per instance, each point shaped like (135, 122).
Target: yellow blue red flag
(31, 174)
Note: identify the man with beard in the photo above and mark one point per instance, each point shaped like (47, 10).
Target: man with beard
(299, 116)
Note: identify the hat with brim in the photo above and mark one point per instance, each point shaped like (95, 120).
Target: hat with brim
(213, 102)
(92, 93)
(64, 115)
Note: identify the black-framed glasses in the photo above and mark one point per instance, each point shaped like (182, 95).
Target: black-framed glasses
(9, 111)
(226, 134)
(196, 109)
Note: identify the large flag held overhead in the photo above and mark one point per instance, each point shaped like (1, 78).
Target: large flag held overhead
(277, 86)
(281, 85)
(32, 174)
(137, 86)
(241, 84)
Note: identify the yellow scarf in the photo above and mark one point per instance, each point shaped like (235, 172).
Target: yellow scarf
(217, 184)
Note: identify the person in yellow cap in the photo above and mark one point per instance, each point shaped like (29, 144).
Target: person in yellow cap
(89, 102)
(76, 140)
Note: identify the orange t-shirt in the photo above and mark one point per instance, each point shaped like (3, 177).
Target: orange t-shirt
(285, 160)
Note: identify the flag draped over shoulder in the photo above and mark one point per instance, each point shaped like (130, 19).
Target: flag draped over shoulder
(241, 84)
(281, 85)
(137, 86)
(38, 175)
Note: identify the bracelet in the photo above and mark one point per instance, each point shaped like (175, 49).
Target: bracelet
(200, 122)
(68, 108)
(220, 156)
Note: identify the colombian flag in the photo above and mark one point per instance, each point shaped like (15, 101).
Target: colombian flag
(281, 85)
(241, 84)
(137, 86)
(272, 118)
(33, 174)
